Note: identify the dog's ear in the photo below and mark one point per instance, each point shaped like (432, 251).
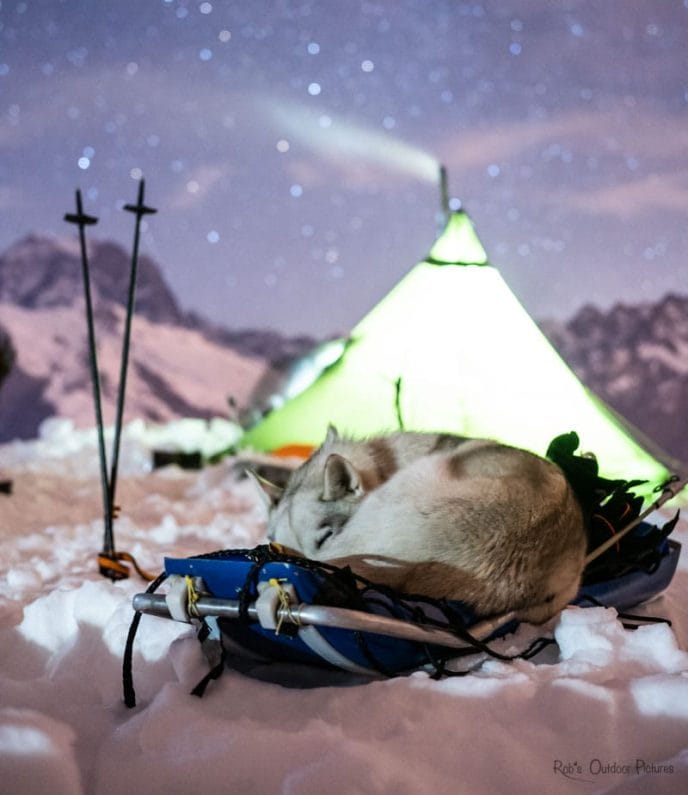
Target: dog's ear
(269, 492)
(341, 479)
(331, 436)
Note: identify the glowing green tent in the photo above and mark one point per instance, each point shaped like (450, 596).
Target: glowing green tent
(451, 349)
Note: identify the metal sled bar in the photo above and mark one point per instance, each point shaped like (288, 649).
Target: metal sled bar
(335, 617)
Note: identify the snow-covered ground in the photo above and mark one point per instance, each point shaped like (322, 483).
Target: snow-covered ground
(606, 710)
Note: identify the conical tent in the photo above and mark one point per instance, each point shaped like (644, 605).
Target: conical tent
(451, 349)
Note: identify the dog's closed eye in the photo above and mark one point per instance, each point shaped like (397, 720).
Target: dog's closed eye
(320, 540)
(330, 526)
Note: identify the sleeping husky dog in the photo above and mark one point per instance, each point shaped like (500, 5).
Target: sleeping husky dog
(494, 526)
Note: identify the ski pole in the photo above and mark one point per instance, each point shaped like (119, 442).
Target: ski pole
(140, 209)
(82, 220)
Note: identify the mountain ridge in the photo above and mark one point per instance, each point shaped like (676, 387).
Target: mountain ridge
(40, 271)
(180, 363)
(634, 357)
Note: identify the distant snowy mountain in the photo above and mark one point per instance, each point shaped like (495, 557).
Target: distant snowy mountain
(180, 364)
(39, 272)
(43, 272)
(633, 357)
(636, 359)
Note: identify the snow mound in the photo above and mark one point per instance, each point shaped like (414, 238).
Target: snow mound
(602, 711)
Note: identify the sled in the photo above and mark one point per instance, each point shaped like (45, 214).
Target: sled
(278, 607)
(269, 605)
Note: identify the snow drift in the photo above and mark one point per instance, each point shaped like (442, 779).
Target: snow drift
(606, 710)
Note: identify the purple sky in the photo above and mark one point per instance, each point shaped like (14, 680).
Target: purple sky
(291, 147)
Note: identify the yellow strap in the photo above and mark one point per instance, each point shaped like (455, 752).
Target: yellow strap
(192, 596)
(284, 601)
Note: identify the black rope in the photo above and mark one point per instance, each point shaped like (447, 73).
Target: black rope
(217, 666)
(249, 589)
(127, 674)
(340, 586)
(214, 673)
(625, 617)
(355, 590)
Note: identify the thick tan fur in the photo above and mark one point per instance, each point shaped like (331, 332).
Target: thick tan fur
(494, 526)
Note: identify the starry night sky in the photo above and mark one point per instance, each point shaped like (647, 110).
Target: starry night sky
(292, 146)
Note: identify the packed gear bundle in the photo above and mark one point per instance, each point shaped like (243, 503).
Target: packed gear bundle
(275, 607)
